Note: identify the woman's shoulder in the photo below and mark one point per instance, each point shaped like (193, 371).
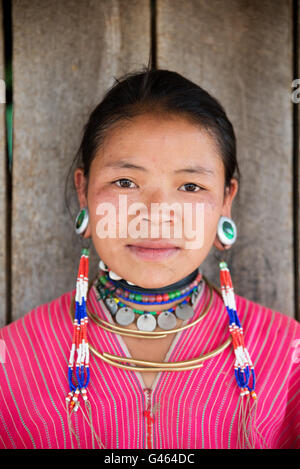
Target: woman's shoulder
(253, 311)
(36, 344)
(259, 316)
(41, 318)
(269, 324)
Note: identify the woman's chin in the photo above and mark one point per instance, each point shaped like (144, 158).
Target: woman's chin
(152, 276)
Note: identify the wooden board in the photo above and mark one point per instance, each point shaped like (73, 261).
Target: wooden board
(241, 52)
(2, 187)
(65, 55)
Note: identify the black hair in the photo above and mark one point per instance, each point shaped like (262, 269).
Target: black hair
(156, 90)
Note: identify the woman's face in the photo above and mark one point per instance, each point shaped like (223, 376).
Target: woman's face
(154, 160)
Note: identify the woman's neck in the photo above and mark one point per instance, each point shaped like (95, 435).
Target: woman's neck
(150, 291)
(182, 283)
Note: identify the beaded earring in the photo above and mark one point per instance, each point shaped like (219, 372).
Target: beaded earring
(79, 365)
(80, 342)
(243, 367)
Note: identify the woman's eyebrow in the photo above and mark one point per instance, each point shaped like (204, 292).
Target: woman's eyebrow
(124, 164)
(196, 169)
(192, 169)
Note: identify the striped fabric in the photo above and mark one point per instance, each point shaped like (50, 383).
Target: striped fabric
(186, 410)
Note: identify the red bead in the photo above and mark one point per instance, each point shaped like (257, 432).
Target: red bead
(159, 298)
(166, 297)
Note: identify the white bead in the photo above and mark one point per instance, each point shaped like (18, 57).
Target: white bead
(114, 276)
(102, 265)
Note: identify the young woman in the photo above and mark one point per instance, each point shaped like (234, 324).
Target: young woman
(150, 354)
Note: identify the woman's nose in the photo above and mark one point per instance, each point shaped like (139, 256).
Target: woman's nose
(159, 204)
(156, 196)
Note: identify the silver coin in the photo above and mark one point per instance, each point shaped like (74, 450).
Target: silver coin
(111, 305)
(166, 320)
(146, 322)
(125, 316)
(200, 286)
(184, 311)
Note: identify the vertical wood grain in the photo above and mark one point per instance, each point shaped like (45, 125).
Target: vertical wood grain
(2, 185)
(65, 56)
(241, 52)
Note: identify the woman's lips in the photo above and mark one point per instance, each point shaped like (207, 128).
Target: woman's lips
(153, 253)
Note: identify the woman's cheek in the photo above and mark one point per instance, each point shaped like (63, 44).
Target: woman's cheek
(208, 218)
(102, 208)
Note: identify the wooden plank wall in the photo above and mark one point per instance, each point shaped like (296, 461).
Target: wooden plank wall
(2, 188)
(65, 55)
(241, 52)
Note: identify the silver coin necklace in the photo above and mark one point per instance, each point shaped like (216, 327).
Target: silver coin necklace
(147, 321)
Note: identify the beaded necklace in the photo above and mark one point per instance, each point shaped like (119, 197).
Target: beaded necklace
(154, 366)
(148, 320)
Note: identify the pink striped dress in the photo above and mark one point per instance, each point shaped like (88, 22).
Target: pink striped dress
(192, 409)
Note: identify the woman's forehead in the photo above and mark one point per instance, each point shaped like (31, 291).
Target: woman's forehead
(146, 140)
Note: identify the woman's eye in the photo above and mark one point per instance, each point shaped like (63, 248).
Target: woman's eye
(128, 184)
(190, 187)
(123, 183)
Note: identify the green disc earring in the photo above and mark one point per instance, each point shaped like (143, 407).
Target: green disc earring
(227, 231)
(82, 221)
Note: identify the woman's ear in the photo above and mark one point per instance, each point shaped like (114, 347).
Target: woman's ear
(80, 182)
(230, 193)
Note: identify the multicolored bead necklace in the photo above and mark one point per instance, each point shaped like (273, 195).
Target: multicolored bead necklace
(145, 298)
(148, 320)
